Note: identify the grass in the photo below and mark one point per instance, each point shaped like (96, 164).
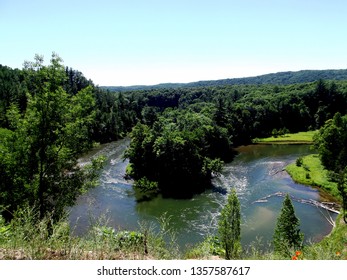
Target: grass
(332, 247)
(289, 138)
(28, 238)
(311, 173)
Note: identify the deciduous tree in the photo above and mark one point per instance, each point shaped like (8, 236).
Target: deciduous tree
(43, 148)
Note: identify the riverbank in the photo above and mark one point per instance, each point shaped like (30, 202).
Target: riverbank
(309, 171)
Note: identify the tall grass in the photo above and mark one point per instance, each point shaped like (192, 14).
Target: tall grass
(28, 237)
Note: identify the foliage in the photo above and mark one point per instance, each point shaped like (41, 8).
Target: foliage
(145, 189)
(331, 143)
(229, 227)
(180, 136)
(28, 236)
(206, 249)
(299, 161)
(48, 239)
(39, 158)
(318, 176)
(179, 152)
(287, 236)
(342, 187)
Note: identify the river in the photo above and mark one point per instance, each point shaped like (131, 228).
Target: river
(256, 172)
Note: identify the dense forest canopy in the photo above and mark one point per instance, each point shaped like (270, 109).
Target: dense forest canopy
(179, 136)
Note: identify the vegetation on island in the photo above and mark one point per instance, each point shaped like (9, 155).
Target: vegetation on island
(180, 137)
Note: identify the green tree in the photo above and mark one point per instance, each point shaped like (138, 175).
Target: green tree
(179, 152)
(342, 187)
(229, 228)
(43, 148)
(287, 236)
(331, 143)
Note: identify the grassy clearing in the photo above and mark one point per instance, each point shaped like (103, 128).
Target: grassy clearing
(311, 172)
(289, 138)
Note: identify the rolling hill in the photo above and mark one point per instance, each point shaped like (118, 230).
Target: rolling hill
(280, 78)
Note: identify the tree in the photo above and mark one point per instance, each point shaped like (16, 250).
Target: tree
(331, 143)
(342, 187)
(287, 236)
(43, 148)
(229, 228)
(179, 151)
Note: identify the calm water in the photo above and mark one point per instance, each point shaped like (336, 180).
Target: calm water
(255, 173)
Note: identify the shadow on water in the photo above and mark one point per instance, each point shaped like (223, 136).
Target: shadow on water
(256, 172)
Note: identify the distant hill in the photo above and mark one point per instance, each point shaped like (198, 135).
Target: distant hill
(280, 78)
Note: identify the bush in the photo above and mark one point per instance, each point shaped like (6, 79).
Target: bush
(145, 189)
(306, 167)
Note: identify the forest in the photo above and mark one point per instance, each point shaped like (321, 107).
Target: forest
(280, 78)
(51, 114)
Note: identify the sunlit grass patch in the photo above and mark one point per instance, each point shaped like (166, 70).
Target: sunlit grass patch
(300, 137)
(309, 171)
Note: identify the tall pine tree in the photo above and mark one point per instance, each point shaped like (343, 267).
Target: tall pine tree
(287, 236)
(229, 227)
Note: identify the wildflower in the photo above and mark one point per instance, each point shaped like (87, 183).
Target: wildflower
(297, 253)
(294, 257)
(338, 254)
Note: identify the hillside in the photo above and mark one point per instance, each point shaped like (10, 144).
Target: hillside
(280, 78)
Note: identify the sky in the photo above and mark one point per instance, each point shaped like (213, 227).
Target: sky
(133, 42)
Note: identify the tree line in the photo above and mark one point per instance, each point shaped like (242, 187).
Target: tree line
(280, 78)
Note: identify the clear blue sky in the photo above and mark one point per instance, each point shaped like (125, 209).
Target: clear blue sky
(128, 42)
